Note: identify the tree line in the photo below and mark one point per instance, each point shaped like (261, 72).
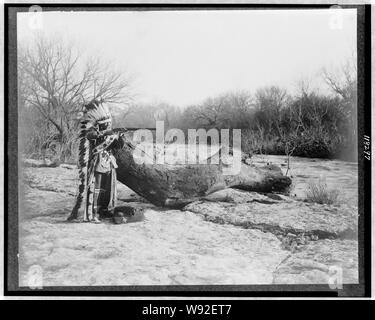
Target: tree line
(272, 121)
(55, 80)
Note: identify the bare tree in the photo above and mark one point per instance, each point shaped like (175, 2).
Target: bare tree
(343, 82)
(269, 103)
(55, 79)
(241, 109)
(210, 113)
(304, 86)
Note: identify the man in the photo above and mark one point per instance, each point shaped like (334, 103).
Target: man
(97, 190)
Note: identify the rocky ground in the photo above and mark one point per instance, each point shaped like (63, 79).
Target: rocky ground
(231, 237)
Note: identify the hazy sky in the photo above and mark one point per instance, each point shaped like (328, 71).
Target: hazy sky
(184, 57)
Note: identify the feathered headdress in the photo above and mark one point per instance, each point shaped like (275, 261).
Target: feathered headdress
(96, 111)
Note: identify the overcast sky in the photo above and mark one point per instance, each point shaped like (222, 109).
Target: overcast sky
(184, 57)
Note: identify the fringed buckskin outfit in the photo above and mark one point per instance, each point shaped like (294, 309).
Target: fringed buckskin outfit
(97, 190)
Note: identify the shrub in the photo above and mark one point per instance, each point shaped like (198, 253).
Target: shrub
(315, 143)
(255, 141)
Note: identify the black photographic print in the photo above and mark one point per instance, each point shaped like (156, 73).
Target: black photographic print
(187, 150)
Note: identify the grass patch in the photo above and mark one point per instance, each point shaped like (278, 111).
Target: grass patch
(318, 192)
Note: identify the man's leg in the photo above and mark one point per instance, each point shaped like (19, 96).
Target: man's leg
(104, 195)
(98, 191)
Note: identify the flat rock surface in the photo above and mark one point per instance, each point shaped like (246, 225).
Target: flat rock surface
(320, 261)
(341, 175)
(211, 242)
(286, 215)
(169, 247)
